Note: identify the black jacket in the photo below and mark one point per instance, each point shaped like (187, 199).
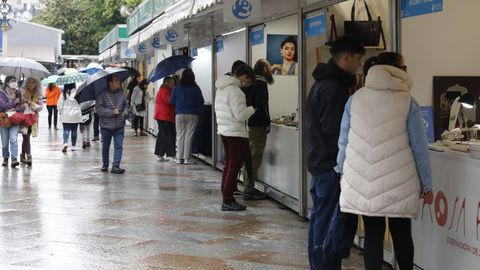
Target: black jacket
(257, 96)
(325, 104)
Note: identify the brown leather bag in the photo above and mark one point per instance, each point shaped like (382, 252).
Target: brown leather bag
(4, 122)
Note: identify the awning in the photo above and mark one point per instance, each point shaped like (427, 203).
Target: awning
(133, 41)
(145, 34)
(201, 5)
(159, 24)
(37, 53)
(179, 11)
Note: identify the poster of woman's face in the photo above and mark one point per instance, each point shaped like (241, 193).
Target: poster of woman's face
(282, 54)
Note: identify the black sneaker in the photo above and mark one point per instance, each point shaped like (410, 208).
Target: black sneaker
(95, 139)
(237, 193)
(234, 206)
(104, 168)
(117, 169)
(5, 162)
(254, 196)
(14, 163)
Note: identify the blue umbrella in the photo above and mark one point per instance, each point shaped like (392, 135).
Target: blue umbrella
(169, 66)
(91, 69)
(97, 84)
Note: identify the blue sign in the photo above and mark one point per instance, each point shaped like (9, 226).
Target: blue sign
(142, 47)
(171, 35)
(219, 45)
(242, 9)
(156, 42)
(410, 8)
(194, 52)
(427, 116)
(257, 37)
(128, 53)
(316, 25)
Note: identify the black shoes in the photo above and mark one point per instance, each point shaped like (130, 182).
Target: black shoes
(104, 168)
(254, 196)
(117, 169)
(95, 139)
(5, 162)
(233, 206)
(14, 163)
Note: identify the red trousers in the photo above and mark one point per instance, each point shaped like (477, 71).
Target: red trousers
(235, 149)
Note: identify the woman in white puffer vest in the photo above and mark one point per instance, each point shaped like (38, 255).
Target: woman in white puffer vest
(383, 156)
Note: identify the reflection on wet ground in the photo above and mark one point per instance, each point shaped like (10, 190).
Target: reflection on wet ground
(63, 213)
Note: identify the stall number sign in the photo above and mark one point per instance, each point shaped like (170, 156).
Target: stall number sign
(316, 25)
(219, 45)
(257, 37)
(410, 8)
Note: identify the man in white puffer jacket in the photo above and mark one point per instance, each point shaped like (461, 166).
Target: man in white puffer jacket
(232, 113)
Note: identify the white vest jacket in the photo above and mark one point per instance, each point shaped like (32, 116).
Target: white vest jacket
(231, 108)
(380, 175)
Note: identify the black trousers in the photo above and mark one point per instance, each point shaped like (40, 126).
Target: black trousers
(165, 139)
(137, 122)
(52, 111)
(401, 231)
(96, 125)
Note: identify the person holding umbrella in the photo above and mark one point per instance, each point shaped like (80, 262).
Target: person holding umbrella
(112, 109)
(10, 101)
(70, 115)
(34, 103)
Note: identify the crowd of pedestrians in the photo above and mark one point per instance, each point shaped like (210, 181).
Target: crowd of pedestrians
(343, 138)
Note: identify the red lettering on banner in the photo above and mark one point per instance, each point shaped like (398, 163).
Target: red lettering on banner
(441, 216)
(428, 201)
(462, 210)
(478, 217)
(453, 215)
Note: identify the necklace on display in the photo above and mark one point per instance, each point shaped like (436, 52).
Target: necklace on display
(285, 69)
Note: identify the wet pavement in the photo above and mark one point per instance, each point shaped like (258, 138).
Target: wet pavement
(63, 213)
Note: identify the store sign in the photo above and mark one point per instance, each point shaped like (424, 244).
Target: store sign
(427, 116)
(172, 34)
(257, 37)
(410, 8)
(142, 47)
(242, 10)
(156, 42)
(125, 52)
(316, 25)
(219, 45)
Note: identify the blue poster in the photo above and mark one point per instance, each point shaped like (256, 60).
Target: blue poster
(219, 45)
(257, 37)
(410, 8)
(194, 52)
(316, 25)
(427, 116)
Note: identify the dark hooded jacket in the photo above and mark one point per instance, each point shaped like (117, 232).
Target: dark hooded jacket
(325, 104)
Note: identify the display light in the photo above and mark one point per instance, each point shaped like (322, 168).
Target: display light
(467, 101)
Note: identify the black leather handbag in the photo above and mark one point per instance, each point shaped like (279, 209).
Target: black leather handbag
(367, 32)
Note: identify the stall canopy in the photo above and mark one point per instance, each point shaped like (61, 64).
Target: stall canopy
(133, 41)
(146, 34)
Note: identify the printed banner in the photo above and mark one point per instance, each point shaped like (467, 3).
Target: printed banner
(257, 37)
(126, 53)
(142, 48)
(194, 52)
(427, 115)
(316, 25)
(172, 35)
(219, 45)
(410, 8)
(242, 10)
(156, 43)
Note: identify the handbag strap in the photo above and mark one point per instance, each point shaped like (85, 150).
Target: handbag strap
(366, 8)
(333, 31)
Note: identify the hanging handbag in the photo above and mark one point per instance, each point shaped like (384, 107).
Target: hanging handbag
(16, 118)
(4, 122)
(366, 32)
(30, 119)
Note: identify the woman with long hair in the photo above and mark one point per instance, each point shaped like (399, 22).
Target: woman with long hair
(138, 105)
(187, 99)
(11, 100)
(32, 97)
(288, 51)
(383, 156)
(70, 115)
(165, 116)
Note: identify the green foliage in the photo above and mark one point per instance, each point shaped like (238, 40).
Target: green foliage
(85, 22)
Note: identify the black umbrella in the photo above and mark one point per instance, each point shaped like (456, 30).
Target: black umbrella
(169, 66)
(97, 83)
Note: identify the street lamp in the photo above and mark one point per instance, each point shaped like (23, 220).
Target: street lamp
(5, 9)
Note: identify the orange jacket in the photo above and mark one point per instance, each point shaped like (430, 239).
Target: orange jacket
(53, 95)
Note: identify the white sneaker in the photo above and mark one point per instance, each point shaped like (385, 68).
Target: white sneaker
(64, 149)
(178, 161)
(74, 148)
(188, 162)
(162, 159)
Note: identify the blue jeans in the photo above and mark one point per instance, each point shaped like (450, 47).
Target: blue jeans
(67, 128)
(117, 135)
(325, 191)
(9, 138)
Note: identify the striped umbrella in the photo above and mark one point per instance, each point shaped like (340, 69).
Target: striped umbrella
(72, 78)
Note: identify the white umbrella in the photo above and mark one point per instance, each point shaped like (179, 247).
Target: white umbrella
(22, 67)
